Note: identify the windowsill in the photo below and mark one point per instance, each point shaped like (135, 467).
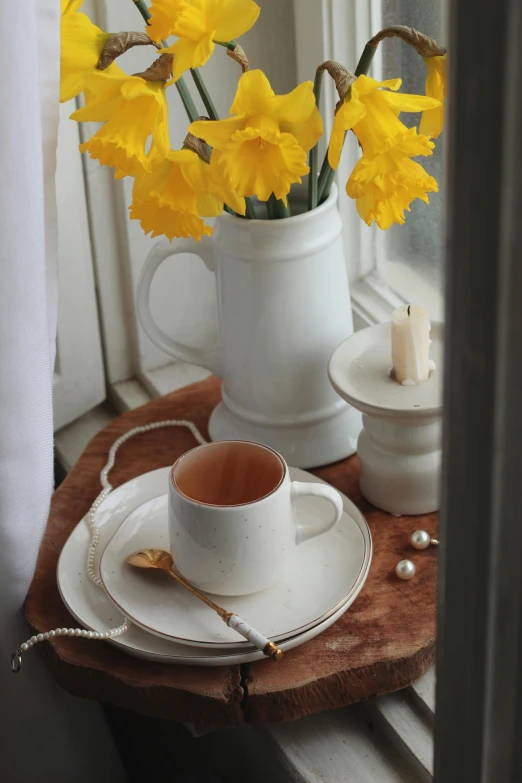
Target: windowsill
(373, 301)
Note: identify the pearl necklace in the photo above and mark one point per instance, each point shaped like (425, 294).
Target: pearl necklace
(90, 518)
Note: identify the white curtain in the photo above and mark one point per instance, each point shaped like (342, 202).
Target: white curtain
(45, 734)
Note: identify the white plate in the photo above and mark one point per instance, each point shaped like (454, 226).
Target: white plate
(94, 610)
(299, 601)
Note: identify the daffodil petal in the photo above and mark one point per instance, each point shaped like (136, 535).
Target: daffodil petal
(231, 18)
(307, 132)
(223, 187)
(217, 132)
(254, 94)
(208, 205)
(70, 6)
(432, 121)
(82, 43)
(365, 85)
(103, 96)
(404, 102)
(161, 22)
(296, 106)
(189, 54)
(348, 115)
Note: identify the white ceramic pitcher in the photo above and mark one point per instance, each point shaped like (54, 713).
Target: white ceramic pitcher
(283, 306)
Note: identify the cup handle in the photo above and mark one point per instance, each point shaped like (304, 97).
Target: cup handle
(304, 488)
(162, 250)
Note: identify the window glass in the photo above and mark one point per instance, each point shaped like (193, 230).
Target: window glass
(414, 251)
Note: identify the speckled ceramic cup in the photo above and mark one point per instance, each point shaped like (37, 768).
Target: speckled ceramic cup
(232, 519)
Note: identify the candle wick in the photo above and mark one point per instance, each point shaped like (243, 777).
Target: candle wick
(409, 308)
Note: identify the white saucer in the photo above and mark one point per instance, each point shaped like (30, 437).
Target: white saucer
(94, 610)
(299, 601)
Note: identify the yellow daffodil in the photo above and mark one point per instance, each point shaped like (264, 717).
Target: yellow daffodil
(179, 192)
(385, 184)
(263, 146)
(384, 181)
(132, 109)
(197, 24)
(81, 45)
(432, 121)
(372, 114)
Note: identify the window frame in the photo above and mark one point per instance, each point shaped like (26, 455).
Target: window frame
(335, 30)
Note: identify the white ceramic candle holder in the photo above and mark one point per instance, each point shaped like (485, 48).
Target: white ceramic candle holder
(400, 444)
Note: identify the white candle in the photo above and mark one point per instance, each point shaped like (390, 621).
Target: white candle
(410, 333)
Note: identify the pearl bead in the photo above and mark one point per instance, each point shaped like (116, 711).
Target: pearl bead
(24, 647)
(70, 632)
(405, 569)
(33, 639)
(77, 632)
(52, 634)
(65, 631)
(420, 539)
(40, 637)
(46, 636)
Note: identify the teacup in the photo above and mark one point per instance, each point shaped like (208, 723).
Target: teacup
(232, 520)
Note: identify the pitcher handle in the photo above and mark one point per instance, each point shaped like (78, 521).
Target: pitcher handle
(162, 250)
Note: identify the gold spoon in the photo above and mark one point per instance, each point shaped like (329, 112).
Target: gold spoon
(162, 560)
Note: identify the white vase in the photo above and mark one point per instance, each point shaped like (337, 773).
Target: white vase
(283, 306)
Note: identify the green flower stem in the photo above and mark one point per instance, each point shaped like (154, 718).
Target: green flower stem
(142, 8)
(205, 97)
(314, 152)
(186, 98)
(227, 44)
(327, 175)
(365, 61)
(250, 211)
(277, 208)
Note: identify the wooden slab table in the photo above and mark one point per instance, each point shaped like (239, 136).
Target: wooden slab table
(384, 642)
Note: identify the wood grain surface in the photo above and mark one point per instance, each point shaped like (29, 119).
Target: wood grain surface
(384, 642)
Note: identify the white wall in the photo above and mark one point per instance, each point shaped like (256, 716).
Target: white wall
(183, 293)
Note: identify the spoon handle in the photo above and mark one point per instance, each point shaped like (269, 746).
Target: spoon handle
(254, 637)
(234, 621)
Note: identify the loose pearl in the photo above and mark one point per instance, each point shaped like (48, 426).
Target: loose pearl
(405, 569)
(420, 539)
